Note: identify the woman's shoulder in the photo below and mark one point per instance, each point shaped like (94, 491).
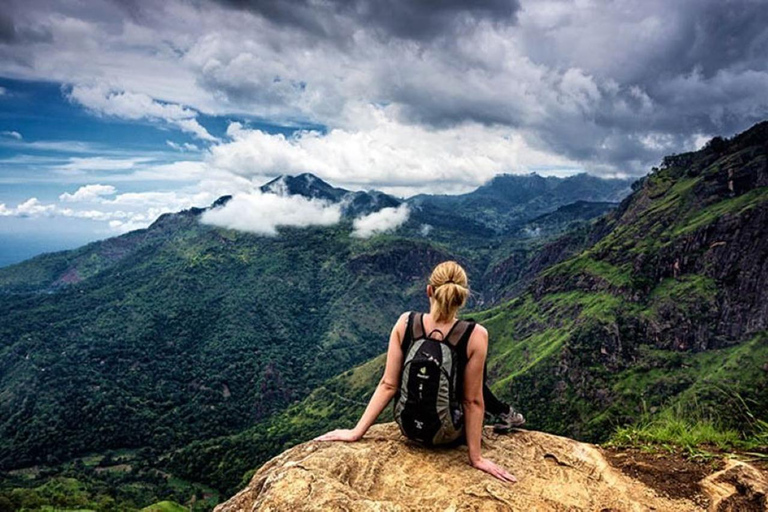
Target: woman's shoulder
(479, 332)
(402, 320)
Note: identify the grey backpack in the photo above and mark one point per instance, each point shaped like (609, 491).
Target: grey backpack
(428, 405)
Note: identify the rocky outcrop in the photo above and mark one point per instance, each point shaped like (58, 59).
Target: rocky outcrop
(384, 472)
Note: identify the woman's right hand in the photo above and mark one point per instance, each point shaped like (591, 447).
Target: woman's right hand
(340, 435)
(493, 469)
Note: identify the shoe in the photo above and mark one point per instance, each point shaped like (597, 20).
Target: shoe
(509, 420)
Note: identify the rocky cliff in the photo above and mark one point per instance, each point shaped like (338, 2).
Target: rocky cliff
(384, 472)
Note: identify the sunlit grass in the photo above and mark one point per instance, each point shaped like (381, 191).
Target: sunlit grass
(676, 429)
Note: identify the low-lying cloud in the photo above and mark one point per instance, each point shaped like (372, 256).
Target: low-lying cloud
(123, 212)
(382, 221)
(262, 214)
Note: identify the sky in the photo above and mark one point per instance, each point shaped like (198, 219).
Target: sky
(113, 112)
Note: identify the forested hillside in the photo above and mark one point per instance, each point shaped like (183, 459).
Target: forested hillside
(119, 351)
(201, 352)
(664, 310)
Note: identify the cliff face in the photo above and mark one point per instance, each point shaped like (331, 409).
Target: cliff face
(666, 306)
(384, 472)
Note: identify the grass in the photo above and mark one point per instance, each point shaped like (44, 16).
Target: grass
(527, 353)
(688, 430)
(715, 211)
(165, 506)
(619, 277)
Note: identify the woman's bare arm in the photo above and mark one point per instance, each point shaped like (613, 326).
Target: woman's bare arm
(386, 389)
(474, 407)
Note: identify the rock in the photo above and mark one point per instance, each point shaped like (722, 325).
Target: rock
(385, 472)
(739, 487)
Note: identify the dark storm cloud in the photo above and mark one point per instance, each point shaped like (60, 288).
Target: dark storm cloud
(704, 71)
(613, 85)
(716, 35)
(7, 30)
(13, 33)
(408, 19)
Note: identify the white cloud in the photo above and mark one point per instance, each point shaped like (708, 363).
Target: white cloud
(186, 146)
(386, 154)
(135, 106)
(32, 207)
(12, 134)
(382, 221)
(98, 163)
(88, 193)
(595, 84)
(124, 212)
(260, 213)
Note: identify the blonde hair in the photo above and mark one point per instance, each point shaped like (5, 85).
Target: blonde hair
(450, 290)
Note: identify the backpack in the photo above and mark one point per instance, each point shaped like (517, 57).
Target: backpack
(428, 405)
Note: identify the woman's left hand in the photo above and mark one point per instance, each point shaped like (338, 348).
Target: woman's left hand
(339, 435)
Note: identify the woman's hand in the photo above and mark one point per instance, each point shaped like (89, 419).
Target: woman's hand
(341, 434)
(493, 469)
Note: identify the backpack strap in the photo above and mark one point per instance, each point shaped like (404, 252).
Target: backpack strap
(461, 349)
(418, 326)
(408, 337)
(461, 332)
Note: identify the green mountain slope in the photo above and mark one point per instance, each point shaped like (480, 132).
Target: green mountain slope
(661, 305)
(184, 331)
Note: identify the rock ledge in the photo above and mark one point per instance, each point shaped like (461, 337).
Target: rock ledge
(385, 472)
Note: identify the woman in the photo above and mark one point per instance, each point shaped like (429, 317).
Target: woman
(447, 291)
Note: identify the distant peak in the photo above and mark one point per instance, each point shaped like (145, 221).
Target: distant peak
(305, 184)
(221, 201)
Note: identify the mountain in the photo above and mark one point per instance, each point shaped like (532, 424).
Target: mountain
(509, 200)
(183, 332)
(202, 352)
(307, 185)
(354, 204)
(659, 308)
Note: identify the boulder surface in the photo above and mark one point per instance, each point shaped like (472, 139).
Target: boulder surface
(386, 472)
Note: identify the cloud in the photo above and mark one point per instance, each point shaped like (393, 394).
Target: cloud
(80, 165)
(11, 133)
(88, 193)
(32, 207)
(406, 19)
(135, 106)
(186, 146)
(382, 221)
(124, 212)
(260, 213)
(386, 154)
(609, 88)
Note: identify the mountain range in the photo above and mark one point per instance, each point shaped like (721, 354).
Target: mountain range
(201, 351)
(657, 308)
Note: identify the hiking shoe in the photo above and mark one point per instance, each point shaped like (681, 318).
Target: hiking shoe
(508, 421)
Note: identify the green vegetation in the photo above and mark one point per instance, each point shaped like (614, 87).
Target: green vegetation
(732, 206)
(165, 506)
(690, 431)
(204, 352)
(114, 481)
